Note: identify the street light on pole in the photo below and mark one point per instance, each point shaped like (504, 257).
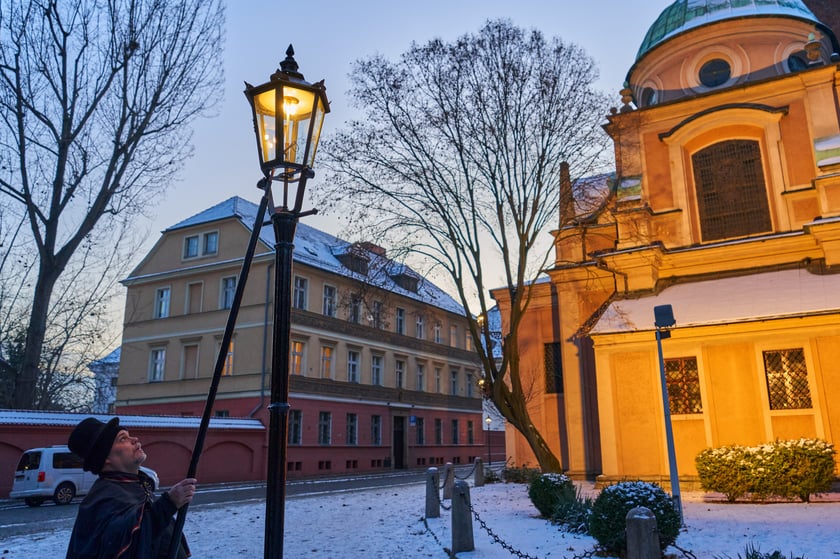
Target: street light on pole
(664, 320)
(488, 421)
(288, 114)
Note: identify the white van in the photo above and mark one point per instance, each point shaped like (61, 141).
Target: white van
(55, 473)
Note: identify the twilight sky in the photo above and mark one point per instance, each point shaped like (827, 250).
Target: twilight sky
(329, 35)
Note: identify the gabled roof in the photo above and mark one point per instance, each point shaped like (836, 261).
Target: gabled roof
(764, 296)
(318, 249)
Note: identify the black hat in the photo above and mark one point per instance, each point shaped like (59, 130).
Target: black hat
(92, 440)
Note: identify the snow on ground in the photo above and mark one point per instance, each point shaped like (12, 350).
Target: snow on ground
(387, 523)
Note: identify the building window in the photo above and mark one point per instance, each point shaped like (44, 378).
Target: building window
(421, 431)
(329, 300)
(552, 359)
(376, 369)
(193, 302)
(376, 314)
(211, 243)
(437, 333)
(470, 432)
(376, 429)
(352, 429)
(327, 361)
(324, 428)
(715, 72)
(787, 379)
(352, 366)
(683, 381)
(400, 328)
(228, 291)
(437, 379)
(421, 377)
(295, 427)
(399, 373)
(162, 296)
(228, 368)
(455, 431)
(468, 345)
(301, 292)
(189, 361)
(191, 247)
(298, 351)
(469, 385)
(157, 362)
(731, 195)
(222, 413)
(420, 328)
(453, 383)
(453, 336)
(438, 431)
(355, 315)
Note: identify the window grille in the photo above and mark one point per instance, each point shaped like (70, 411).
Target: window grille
(731, 195)
(683, 381)
(787, 379)
(553, 368)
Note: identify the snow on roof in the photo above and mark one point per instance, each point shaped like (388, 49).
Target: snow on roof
(29, 417)
(318, 249)
(112, 358)
(786, 293)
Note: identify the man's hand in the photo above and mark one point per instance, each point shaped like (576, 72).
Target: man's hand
(182, 492)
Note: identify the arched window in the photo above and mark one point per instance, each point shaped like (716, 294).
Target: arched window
(731, 195)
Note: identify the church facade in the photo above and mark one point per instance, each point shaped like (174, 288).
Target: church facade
(725, 205)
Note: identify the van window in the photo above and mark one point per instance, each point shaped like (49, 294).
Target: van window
(29, 461)
(66, 460)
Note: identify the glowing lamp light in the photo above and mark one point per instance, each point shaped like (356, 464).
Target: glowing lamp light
(288, 115)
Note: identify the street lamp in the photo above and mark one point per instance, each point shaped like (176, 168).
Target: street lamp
(663, 320)
(288, 114)
(488, 421)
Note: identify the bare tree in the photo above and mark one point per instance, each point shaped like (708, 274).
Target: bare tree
(96, 98)
(458, 160)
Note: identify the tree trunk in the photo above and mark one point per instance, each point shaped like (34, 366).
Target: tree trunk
(27, 379)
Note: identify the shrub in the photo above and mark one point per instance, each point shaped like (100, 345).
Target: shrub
(607, 522)
(490, 475)
(787, 469)
(724, 470)
(549, 490)
(752, 552)
(522, 474)
(573, 515)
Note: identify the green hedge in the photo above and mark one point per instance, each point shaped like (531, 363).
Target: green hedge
(787, 469)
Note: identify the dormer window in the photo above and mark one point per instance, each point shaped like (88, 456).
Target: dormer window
(205, 244)
(355, 258)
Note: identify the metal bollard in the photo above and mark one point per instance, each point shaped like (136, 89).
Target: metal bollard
(642, 536)
(478, 481)
(462, 529)
(448, 480)
(432, 498)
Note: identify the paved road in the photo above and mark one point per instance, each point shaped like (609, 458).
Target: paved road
(18, 519)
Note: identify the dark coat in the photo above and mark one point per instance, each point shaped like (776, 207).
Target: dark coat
(119, 518)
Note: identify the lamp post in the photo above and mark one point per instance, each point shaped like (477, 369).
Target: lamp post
(488, 421)
(288, 114)
(663, 321)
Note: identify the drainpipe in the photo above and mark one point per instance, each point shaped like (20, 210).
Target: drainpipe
(601, 264)
(264, 342)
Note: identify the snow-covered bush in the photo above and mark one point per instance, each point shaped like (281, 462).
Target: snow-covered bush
(786, 469)
(549, 490)
(607, 522)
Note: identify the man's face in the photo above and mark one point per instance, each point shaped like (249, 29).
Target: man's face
(126, 454)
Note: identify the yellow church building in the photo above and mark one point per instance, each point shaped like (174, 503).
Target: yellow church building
(725, 204)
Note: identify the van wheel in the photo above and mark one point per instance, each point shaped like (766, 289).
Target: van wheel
(64, 493)
(33, 502)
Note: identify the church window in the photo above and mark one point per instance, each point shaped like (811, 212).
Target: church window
(731, 195)
(787, 379)
(683, 382)
(715, 72)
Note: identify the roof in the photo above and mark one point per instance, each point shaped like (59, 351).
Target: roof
(318, 249)
(112, 358)
(764, 296)
(683, 15)
(29, 417)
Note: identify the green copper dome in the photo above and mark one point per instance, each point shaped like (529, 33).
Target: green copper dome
(683, 15)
